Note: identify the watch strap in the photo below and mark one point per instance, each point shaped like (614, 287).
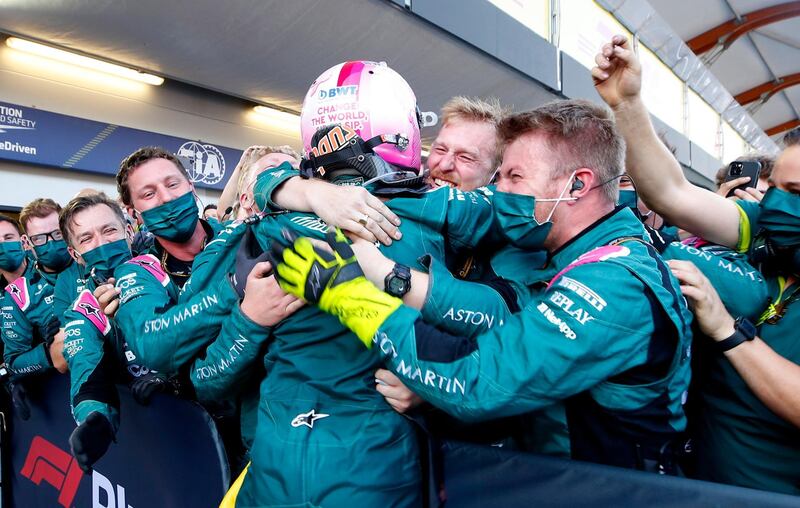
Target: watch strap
(744, 330)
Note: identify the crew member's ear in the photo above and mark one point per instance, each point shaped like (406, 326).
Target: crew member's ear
(135, 215)
(582, 182)
(246, 202)
(74, 254)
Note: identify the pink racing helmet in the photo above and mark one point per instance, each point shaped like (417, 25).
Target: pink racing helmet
(372, 100)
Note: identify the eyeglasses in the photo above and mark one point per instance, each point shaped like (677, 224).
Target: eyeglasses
(41, 239)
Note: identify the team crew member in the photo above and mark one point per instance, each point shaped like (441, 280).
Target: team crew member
(13, 261)
(748, 434)
(743, 287)
(156, 189)
(31, 336)
(303, 379)
(98, 357)
(214, 373)
(254, 159)
(465, 154)
(622, 372)
(13, 265)
(95, 347)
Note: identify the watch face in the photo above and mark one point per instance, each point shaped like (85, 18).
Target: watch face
(397, 285)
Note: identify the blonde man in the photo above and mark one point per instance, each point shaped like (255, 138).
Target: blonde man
(253, 157)
(465, 153)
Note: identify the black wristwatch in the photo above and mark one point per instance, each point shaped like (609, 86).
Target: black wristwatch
(744, 331)
(398, 282)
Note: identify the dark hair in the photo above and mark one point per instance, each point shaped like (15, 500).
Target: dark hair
(792, 137)
(6, 218)
(767, 163)
(212, 206)
(82, 203)
(138, 158)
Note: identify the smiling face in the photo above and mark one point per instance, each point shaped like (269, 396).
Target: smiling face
(95, 226)
(156, 182)
(463, 155)
(9, 232)
(527, 168)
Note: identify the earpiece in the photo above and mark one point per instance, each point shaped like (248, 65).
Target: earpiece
(576, 185)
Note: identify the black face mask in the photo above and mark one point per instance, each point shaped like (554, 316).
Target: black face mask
(774, 259)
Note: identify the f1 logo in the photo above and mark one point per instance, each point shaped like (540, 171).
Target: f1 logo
(49, 463)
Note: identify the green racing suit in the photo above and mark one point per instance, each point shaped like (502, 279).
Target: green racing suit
(29, 324)
(621, 364)
(325, 436)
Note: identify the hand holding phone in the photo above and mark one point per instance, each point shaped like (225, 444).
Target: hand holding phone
(741, 169)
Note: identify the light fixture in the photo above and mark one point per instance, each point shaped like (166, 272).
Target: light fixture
(82, 61)
(282, 119)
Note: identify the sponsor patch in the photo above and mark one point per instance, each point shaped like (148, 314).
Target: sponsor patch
(582, 290)
(308, 419)
(19, 293)
(603, 253)
(559, 323)
(153, 267)
(87, 306)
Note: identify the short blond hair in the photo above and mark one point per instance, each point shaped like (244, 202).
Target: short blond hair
(475, 109)
(249, 168)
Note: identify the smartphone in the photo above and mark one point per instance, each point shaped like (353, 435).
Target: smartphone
(739, 169)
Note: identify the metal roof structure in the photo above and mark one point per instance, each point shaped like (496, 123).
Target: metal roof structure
(752, 47)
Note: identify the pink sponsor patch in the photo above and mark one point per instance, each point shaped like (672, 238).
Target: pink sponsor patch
(593, 256)
(150, 263)
(87, 305)
(19, 293)
(695, 241)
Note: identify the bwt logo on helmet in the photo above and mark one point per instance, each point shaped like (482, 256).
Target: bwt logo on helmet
(204, 163)
(338, 91)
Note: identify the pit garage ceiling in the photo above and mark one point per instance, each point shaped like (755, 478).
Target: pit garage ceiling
(758, 63)
(270, 50)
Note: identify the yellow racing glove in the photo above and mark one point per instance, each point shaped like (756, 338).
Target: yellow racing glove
(333, 281)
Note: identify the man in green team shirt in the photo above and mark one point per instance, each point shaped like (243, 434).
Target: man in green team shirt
(748, 428)
(31, 335)
(617, 354)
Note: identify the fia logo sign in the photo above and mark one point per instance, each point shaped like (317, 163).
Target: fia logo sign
(204, 163)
